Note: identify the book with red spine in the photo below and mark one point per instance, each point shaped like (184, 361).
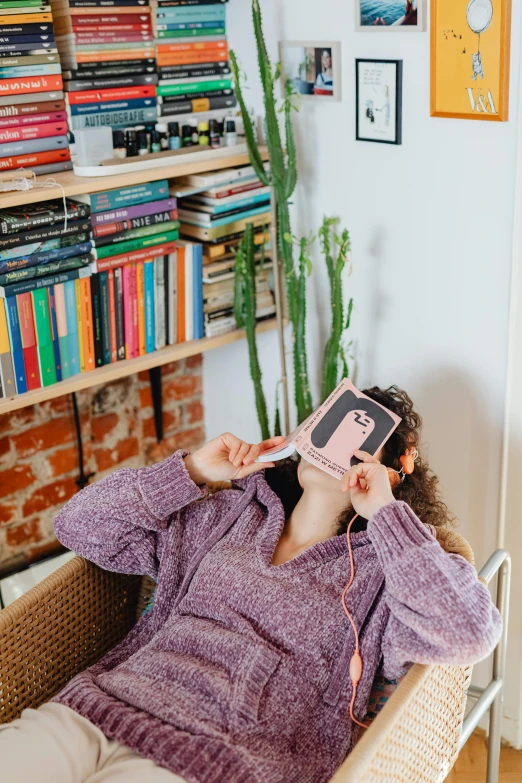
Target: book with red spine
(117, 54)
(130, 311)
(34, 159)
(112, 28)
(25, 109)
(33, 119)
(28, 132)
(117, 39)
(140, 303)
(117, 94)
(87, 325)
(115, 19)
(30, 84)
(108, 229)
(104, 264)
(112, 313)
(28, 333)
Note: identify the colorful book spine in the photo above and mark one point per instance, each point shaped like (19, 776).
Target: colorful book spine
(138, 104)
(197, 289)
(112, 317)
(7, 373)
(44, 339)
(150, 306)
(54, 333)
(25, 316)
(116, 119)
(45, 233)
(52, 268)
(30, 132)
(140, 303)
(129, 284)
(118, 307)
(15, 340)
(35, 259)
(135, 257)
(105, 317)
(108, 229)
(88, 331)
(160, 336)
(97, 320)
(181, 294)
(34, 159)
(78, 300)
(125, 197)
(106, 96)
(30, 285)
(72, 327)
(141, 243)
(172, 297)
(135, 233)
(195, 87)
(189, 295)
(61, 327)
(136, 211)
(31, 85)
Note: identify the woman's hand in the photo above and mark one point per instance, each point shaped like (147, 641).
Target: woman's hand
(368, 484)
(226, 458)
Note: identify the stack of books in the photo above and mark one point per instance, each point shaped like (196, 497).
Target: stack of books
(45, 297)
(33, 122)
(215, 209)
(107, 52)
(192, 57)
(139, 277)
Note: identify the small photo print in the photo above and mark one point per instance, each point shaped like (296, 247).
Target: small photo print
(379, 101)
(313, 69)
(390, 15)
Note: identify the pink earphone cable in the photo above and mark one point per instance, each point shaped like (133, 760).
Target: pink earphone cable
(356, 661)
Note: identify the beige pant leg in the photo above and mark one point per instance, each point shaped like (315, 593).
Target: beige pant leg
(54, 744)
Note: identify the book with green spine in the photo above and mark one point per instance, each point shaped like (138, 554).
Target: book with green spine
(17, 275)
(44, 339)
(181, 89)
(135, 233)
(191, 33)
(141, 243)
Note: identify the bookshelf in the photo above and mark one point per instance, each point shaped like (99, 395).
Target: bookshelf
(73, 185)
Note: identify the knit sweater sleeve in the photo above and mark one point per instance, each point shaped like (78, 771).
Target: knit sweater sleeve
(439, 611)
(120, 523)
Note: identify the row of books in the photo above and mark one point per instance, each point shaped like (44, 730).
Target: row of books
(192, 57)
(107, 51)
(33, 122)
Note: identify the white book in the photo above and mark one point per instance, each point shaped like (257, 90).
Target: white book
(160, 340)
(225, 176)
(189, 292)
(172, 292)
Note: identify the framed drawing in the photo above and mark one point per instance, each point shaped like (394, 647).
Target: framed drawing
(378, 86)
(391, 16)
(470, 44)
(312, 67)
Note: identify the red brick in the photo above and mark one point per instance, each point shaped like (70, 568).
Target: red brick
(50, 495)
(54, 432)
(7, 512)
(61, 404)
(172, 368)
(182, 387)
(66, 460)
(188, 439)
(26, 533)
(145, 397)
(195, 412)
(101, 426)
(171, 421)
(192, 362)
(14, 479)
(143, 375)
(15, 421)
(124, 450)
(5, 447)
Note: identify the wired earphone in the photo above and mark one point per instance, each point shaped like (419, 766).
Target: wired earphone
(407, 462)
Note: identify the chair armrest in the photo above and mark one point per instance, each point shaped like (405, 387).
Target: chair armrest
(418, 730)
(59, 628)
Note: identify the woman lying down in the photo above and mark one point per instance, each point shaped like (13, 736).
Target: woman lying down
(240, 672)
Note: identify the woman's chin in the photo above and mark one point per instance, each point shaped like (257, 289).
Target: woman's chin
(310, 476)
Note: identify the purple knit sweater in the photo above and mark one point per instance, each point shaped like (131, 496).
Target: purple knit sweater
(239, 673)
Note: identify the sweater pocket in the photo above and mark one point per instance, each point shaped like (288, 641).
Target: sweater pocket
(249, 686)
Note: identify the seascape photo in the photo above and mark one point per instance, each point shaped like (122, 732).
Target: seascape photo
(389, 13)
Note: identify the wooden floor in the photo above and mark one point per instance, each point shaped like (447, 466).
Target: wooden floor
(471, 764)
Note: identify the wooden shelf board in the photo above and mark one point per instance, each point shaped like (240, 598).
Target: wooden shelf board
(122, 369)
(74, 186)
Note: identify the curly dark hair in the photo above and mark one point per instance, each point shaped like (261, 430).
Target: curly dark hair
(420, 489)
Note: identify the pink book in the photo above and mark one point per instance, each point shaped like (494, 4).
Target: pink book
(130, 311)
(348, 420)
(30, 132)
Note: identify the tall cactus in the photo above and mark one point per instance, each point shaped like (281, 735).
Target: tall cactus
(335, 248)
(283, 178)
(245, 303)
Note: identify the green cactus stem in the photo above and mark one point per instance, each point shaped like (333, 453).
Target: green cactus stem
(245, 302)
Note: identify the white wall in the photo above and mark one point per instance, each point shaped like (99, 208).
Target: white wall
(431, 224)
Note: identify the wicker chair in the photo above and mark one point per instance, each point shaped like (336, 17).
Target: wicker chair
(70, 620)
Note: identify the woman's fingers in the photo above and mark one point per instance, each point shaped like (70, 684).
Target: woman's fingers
(246, 470)
(365, 456)
(241, 454)
(271, 442)
(357, 475)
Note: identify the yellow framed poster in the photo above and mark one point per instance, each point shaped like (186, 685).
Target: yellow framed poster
(470, 42)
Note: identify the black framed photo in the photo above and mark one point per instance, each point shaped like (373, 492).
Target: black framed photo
(379, 101)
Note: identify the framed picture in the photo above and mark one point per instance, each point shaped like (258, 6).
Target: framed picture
(313, 68)
(391, 16)
(379, 101)
(470, 44)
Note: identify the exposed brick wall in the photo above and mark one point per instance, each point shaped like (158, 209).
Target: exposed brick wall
(39, 455)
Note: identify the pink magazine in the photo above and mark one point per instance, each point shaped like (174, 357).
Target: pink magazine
(347, 421)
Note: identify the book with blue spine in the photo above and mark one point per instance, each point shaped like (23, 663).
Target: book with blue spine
(215, 207)
(116, 119)
(205, 13)
(36, 283)
(124, 197)
(72, 327)
(31, 248)
(148, 268)
(50, 268)
(48, 144)
(197, 291)
(54, 333)
(21, 71)
(15, 339)
(204, 221)
(81, 109)
(37, 259)
(187, 26)
(105, 317)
